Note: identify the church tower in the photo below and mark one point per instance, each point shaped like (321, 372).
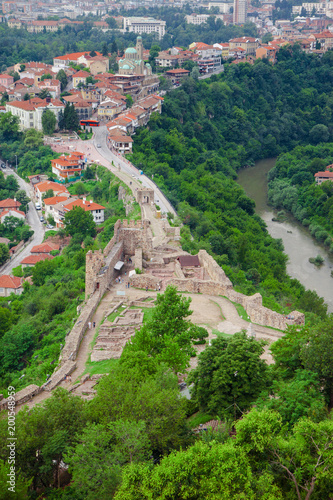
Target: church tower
(139, 48)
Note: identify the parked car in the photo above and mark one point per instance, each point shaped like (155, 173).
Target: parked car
(49, 226)
(99, 145)
(38, 207)
(41, 219)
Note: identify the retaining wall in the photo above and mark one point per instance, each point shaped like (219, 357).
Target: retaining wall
(23, 396)
(144, 280)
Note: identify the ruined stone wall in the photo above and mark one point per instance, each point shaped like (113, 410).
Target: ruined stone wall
(94, 262)
(145, 195)
(170, 231)
(75, 336)
(144, 280)
(137, 261)
(58, 376)
(215, 272)
(178, 270)
(135, 234)
(23, 396)
(114, 240)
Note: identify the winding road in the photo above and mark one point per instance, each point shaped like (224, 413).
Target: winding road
(34, 223)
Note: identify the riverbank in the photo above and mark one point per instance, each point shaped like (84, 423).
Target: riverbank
(298, 243)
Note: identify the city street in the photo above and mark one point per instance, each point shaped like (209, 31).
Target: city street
(34, 223)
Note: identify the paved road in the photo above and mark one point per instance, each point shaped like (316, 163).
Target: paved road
(34, 223)
(100, 137)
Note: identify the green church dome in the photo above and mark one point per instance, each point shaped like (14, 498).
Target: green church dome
(130, 50)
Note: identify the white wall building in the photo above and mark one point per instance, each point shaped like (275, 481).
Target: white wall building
(240, 11)
(144, 25)
(30, 112)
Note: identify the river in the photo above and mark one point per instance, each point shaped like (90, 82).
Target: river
(298, 243)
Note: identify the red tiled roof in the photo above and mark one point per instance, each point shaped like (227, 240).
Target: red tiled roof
(5, 212)
(7, 281)
(54, 200)
(177, 71)
(83, 74)
(45, 186)
(328, 175)
(45, 248)
(9, 203)
(74, 56)
(33, 259)
(87, 205)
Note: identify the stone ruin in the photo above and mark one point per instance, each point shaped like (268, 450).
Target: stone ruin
(113, 337)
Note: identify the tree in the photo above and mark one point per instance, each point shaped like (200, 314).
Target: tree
(302, 459)
(44, 93)
(114, 48)
(319, 133)
(105, 49)
(238, 377)
(9, 127)
(96, 461)
(214, 470)
(26, 97)
(300, 397)
(48, 194)
(22, 197)
(79, 222)
(79, 188)
(129, 101)
(168, 335)
(4, 253)
(92, 53)
(61, 120)
(6, 320)
(16, 76)
(141, 390)
(317, 355)
(71, 118)
(62, 77)
(46, 76)
(20, 487)
(49, 122)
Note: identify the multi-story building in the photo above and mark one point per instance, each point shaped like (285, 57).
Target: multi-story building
(110, 108)
(196, 18)
(96, 210)
(30, 112)
(144, 25)
(66, 167)
(249, 44)
(240, 11)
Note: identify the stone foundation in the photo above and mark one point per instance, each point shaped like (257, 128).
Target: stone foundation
(145, 280)
(22, 396)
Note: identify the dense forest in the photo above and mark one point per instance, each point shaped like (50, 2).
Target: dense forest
(208, 131)
(292, 187)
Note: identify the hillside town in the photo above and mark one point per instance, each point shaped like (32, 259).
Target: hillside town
(166, 249)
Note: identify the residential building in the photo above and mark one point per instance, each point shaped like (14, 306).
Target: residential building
(44, 248)
(120, 142)
(266, 51)
(50, 203)
(144, 25)
(10, 284)
(6, 80)
(224, 47)
(9, 204)
(13, 212)
(80, 77)
(96, 210)
(58, 211)
(177, 75)
(52, 86)
(67, 167)
(75, 57)
(32, 260)
(42, 187)
(110, 108)
(240, 11)
(322, 41)
(249, 44)
(321, 177)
